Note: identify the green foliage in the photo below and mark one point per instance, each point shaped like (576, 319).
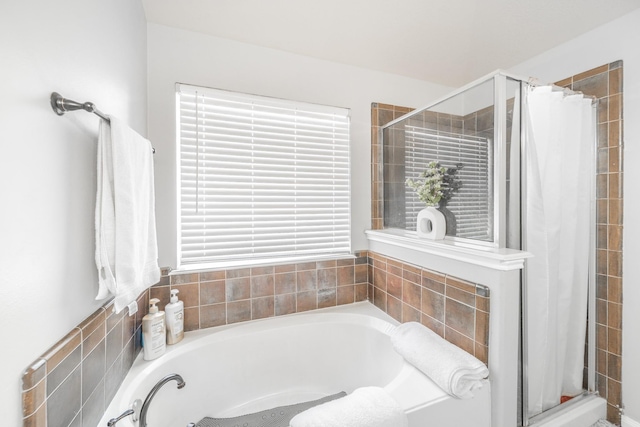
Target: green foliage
(437, 184)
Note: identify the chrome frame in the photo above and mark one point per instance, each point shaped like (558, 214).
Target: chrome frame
(500, 161)
(524, 375)
(591, 309)
(551, 412)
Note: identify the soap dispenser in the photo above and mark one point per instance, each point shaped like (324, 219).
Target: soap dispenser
(153, 332)
(175, 318)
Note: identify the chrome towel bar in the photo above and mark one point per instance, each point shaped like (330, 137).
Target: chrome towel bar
(62, 105)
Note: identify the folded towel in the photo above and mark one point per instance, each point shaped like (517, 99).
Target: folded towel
(453, 369)
(365, 407)
(126, 246)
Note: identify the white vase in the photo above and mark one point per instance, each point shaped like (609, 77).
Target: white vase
(431, 224)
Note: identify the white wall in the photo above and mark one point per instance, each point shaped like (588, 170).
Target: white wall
(88, 50)
(188, 57)
(619, 39)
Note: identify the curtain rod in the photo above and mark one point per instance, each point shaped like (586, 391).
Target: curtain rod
(62, 105)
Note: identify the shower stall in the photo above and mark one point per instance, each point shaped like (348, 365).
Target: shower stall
(524, 159)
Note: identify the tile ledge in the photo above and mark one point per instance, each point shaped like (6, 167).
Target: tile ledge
(253, 263)
(501, 259)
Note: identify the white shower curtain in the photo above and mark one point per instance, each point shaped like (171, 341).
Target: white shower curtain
(559, 176)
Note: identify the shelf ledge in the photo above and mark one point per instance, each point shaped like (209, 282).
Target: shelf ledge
(484, 256)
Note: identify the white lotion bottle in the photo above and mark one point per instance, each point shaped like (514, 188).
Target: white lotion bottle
(154, 337)
(175, 318)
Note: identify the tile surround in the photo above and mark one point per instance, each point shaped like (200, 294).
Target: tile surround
(222, 297)
(73, 382)
(455, 309)
(605, 83)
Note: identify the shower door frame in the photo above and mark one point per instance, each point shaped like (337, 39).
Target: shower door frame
(591, 300)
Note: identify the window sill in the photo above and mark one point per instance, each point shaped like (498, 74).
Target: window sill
(248, 263)
(406, 244)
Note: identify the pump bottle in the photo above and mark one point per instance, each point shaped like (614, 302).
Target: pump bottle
(153, 332)
(175, 319)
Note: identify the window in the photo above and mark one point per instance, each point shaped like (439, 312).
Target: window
(260, 179)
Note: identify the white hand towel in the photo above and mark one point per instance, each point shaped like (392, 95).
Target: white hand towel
(126, 245)
(365, 407)
(453, 369)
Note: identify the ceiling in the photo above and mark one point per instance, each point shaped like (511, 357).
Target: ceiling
(450, 42)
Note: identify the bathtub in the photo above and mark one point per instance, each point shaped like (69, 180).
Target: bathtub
(248, 367)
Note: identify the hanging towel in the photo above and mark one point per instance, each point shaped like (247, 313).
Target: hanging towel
(365, 407)
(126, 246)
(453, 369)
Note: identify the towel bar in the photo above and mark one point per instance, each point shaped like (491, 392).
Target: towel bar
(62, 105)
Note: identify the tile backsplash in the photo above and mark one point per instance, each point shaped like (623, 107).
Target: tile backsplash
(73, 383)
(455, 309)
(215, 298)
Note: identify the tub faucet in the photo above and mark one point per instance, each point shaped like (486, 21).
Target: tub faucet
(152, 393)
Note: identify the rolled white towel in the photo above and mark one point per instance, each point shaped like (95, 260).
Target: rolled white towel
(365, 407)
(453, 369)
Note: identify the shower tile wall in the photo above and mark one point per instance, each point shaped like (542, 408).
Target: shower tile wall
(605, 83)
(381, 114)
(394, 153)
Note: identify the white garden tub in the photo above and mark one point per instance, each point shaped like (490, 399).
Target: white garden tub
(248, 367)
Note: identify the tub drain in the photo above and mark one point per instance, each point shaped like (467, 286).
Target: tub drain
(276, 417)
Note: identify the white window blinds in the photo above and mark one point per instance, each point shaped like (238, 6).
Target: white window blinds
(260, 179)
(472, 204)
